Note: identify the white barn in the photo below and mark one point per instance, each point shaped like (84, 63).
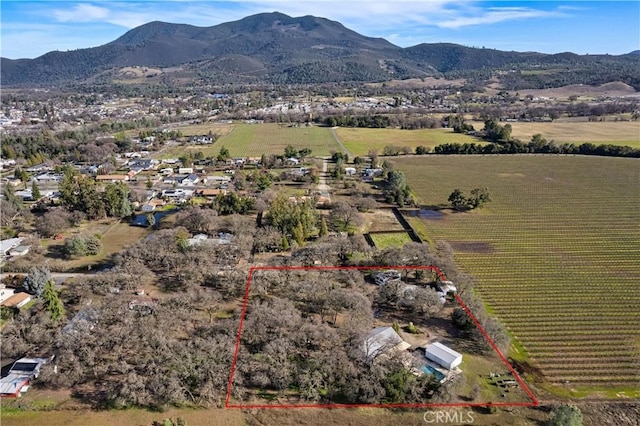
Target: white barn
(442, 355)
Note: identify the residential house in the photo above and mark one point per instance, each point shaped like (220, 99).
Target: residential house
(201, 140)
(5, 292)
(112, 178)
(209, 192)
(38, 168)
(190, 180)
(47, 177)
(219, 180)
(22, 372)
(9, 244)
(18, 300)
(350, 171)
(19, 251)
(185, 170)
(382, 340)
(25, 194)
(143, 164)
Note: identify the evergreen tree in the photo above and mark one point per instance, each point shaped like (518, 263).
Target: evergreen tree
(285, 243)
(35, 191)
(52, 302)
(35, 282)
(298, 234)
(323, 228)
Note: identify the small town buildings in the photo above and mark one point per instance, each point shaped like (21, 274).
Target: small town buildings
(18, 300)
(185, 170)
(443, 355)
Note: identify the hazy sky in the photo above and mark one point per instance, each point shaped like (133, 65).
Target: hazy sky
(32, 28)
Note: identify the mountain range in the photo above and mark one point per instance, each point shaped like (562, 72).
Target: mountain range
(276, 48)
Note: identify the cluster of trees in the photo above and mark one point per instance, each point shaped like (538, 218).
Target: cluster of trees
(390, 119)
(56, 220)
(495, 132)
(538, 145)
(290, 151)
(79, 246)
(478, 198)
(373, 121)
(397, 189)
(457, 123)
(81, 193)
(296, 220)
(232, 203)
(292, 340)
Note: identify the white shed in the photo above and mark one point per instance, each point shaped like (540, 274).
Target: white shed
(442, 355)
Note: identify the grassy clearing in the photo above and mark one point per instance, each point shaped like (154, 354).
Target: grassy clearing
(253, 140)
(396, 239)
(360, 141)
(607, 132)
(555, 255)
(114, 238)
(214, 417)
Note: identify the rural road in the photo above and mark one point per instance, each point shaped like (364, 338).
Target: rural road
(322, 181)
(344, 148)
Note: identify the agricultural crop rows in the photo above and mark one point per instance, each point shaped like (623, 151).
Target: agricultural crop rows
(557, 256)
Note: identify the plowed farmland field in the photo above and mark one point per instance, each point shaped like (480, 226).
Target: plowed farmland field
(559, 262)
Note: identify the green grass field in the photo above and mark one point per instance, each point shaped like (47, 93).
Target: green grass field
(253, 140)
(392, 239)
(360, 141)
(606, 132)
(556, 256)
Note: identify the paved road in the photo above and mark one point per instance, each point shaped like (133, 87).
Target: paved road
(344, 148)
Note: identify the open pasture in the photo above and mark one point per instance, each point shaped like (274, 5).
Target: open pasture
(361, 140)
(253, 140)
(556, 257)
(597, 132)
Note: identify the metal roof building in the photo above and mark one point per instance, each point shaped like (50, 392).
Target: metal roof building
(442, 355)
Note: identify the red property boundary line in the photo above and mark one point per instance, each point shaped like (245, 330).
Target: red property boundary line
(534, 401)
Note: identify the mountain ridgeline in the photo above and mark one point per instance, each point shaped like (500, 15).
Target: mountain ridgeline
(276, 48)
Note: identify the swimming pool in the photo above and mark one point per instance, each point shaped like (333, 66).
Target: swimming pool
(427, 369)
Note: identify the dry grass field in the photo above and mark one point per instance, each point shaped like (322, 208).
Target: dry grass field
(606, 132)
(359, 141)
(556, 256)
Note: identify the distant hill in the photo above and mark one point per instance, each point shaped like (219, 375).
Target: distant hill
(276, 48)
